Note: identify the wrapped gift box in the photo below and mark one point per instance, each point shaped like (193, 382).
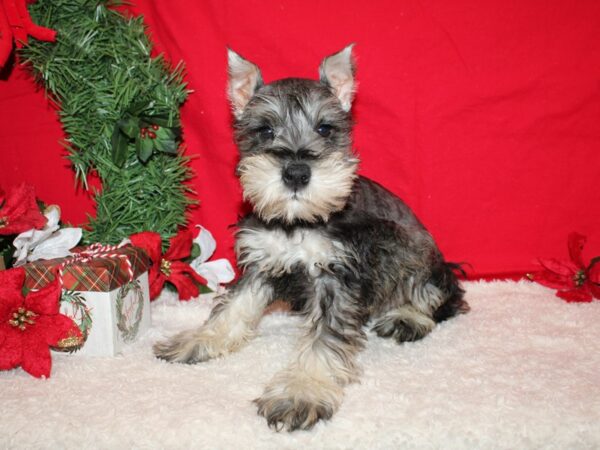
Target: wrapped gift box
(105, 291)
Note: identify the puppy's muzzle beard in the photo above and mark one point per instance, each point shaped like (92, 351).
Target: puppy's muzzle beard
(296, 176)
(323, 186)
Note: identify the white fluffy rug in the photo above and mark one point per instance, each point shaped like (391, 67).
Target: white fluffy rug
(521, 370)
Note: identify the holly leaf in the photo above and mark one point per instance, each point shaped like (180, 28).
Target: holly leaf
(144, 149)
(177, 132)
(166, 146)
(129, 126)
(119, 142)
(164, 133)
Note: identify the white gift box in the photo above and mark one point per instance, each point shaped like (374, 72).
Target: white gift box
(108, 320)
(105, 292)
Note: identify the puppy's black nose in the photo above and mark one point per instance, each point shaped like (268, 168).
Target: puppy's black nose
(296, 175)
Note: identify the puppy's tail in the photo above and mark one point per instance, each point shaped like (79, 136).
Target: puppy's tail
(444, 277)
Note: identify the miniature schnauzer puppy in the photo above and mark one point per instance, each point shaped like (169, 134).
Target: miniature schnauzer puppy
(340, 248)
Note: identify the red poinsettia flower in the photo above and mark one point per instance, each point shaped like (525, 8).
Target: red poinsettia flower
(30, 325)
(169, 267)
(575, 281)
(19, 211)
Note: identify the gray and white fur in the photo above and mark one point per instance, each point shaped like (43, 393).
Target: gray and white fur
(344, 251)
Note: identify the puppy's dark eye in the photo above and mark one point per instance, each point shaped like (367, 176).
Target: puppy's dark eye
(265, 133)
(325, 130)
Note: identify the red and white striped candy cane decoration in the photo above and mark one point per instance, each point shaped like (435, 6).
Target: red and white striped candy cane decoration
(96, 251)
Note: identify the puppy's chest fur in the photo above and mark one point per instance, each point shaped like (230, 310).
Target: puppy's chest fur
(290, 260)
(276, 252)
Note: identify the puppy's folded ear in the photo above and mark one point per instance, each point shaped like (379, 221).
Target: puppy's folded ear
(244, 79)
(337, 72)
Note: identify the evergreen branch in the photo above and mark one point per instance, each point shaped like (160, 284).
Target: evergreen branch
(99, 67)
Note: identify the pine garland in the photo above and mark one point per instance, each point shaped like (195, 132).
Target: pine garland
(107, 87)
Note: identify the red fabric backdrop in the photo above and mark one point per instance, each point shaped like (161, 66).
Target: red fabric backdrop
(483, 115)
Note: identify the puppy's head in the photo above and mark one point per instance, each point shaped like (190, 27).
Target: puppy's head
(294, 136)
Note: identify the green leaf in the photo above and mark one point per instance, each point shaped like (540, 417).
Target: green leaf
(6, 250)
(177, 132)
(195, 252)
(164, 133)
(204, 289)
(129, 126)
(166, 146)
(144, 149)
(119, 142)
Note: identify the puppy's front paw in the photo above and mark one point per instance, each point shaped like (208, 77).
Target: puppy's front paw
(298, 405)
(292, 414)
(188, 347)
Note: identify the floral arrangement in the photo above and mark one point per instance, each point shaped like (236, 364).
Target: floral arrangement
(185, 264)
(575, 280)
(28, 231)
(31, 322)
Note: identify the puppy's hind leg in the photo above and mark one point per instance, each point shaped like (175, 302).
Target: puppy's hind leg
(427, 303)
(404, 324)
(231, 324)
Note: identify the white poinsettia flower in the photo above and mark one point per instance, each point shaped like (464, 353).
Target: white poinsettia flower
(214, 272)
(48, 243)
